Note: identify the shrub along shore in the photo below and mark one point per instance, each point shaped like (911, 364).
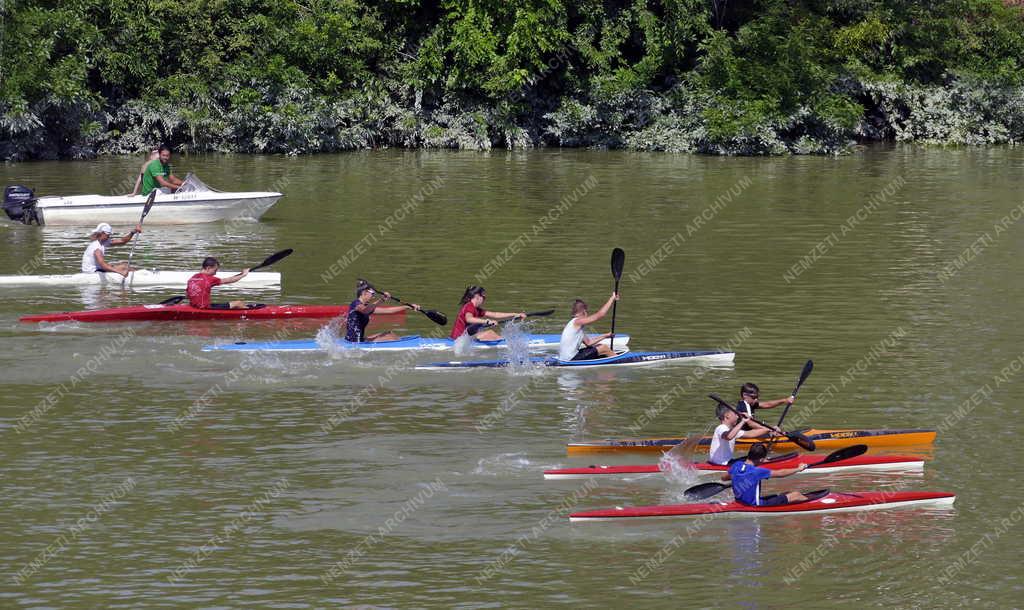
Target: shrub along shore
(306, 76)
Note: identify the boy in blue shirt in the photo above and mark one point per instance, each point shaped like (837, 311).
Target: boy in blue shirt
(746, 478)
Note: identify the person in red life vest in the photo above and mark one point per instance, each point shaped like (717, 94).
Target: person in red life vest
(473, 317)
(200, 285)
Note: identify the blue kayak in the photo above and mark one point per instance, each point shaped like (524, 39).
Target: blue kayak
(620, 359)
(411, 342)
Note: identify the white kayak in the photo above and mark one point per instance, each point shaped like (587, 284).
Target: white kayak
(142, 277)
(620, 359)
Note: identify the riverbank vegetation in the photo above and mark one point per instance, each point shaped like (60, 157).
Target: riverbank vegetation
(304, 76)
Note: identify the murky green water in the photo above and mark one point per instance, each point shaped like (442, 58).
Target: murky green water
(154, 474)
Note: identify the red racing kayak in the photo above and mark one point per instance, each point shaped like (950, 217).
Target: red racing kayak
(863, 462)
(187, 312)
(822, 501)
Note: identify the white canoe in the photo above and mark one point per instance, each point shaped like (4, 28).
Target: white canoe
(142, 277)
(173, 208)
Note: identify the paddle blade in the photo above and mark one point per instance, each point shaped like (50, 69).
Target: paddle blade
(539, 314)
(435, 316)
(804, 374)
(800, 440)
(172, 300)
(705, 490)
(273, 258)
(843, 454)
(148, 205)
(618, 262)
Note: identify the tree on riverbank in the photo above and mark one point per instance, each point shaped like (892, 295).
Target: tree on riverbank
(301, 76)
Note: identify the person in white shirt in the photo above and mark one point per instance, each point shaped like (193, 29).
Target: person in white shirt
(575, 345)
(723, 440)
(93, 260)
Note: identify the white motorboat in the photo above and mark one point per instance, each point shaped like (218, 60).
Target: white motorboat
(193, 203)
(140, 278)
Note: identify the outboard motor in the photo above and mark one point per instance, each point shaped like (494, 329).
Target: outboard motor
(20, 204)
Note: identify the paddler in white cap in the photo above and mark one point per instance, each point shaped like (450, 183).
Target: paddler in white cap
(93, 260)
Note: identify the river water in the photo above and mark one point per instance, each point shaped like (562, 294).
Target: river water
(141, 471)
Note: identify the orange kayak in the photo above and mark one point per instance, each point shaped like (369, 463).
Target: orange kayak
(823, 439)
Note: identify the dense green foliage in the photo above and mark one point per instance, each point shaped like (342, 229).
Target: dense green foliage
(295, 76)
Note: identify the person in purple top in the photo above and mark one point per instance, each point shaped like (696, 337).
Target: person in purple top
(364, 306)
(746, 476)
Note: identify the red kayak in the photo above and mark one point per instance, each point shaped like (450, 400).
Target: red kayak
(822, 501)
(864, 462)
(187, 312)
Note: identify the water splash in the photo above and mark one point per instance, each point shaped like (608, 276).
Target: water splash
(517, 348)
(327, 339)
(463, 345)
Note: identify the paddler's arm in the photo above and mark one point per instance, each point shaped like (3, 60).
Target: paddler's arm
(785, 472)
(167, 184)
(737, 430)
(757, 430)
(175, 180)
(771, 404)
(120, 241)
(600, 313)
(388, 309)
(589, 341)
(101, 264)
(236, 277)
(497, 315)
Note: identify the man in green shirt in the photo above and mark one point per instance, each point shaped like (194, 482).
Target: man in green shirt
(158, 174)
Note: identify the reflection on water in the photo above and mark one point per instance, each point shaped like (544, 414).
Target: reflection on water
(350, 465)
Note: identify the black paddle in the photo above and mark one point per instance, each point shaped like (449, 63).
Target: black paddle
(435, 316)
(532, 314)
(618, 262)
(706, 490)
(273, 258)
(795, 437)
(145, 210)
(804, 374)
(270, 260)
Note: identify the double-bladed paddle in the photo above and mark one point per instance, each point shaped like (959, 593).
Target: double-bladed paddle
(273, 258)
(804, 374)
(795, 437)
(706, 490)
(529, 314)
(618, 262)
(435, 316)
(145, 210)
(270, 260)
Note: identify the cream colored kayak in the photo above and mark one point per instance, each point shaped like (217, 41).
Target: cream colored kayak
(140, 278)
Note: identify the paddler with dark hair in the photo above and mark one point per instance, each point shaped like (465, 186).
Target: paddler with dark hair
(473, 318)
(201, 284)
(749, 394)
(732, 427)
(575, 345)
(746, 476)
(365, 305)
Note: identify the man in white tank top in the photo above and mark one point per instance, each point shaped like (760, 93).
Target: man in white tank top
(93, 259)
(723, 440)
(575, 345)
